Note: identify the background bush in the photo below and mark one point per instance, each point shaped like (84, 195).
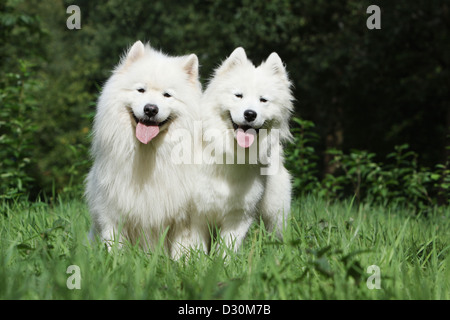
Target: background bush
(17, 132)
(356, 89)
(398, 181)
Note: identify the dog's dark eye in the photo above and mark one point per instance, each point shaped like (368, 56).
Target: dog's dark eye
(263, 100)
(167, 95)
(141, 90)
(239, 95)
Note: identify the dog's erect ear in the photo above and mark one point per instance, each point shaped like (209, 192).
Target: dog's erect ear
(276, 65)
(134, 53)
(190, 65)
(237, 57)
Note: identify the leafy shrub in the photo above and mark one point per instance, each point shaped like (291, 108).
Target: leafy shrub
(355, 172)
(400, 180)
(301, 157)
(441, 179)
(17, 131)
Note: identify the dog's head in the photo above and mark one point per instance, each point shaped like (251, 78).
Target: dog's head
(252, 98)
(155, 88)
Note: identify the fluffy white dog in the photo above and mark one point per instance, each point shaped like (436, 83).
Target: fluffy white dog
(134, 190)
(245, 111)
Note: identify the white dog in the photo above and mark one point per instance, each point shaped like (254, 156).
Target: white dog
(134, 190)
(245, 111)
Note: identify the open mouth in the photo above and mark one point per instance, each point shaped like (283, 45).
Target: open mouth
(245, 134)
(147, 122)
(147, 129)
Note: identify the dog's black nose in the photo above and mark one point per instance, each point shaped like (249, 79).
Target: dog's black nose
(150, 110)
(250, 115)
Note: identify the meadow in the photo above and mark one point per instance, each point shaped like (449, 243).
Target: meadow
(326, 254)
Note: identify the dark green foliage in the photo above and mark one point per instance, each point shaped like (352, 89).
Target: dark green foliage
(301, 157)
(17, 130)
(400, 180)
(362, 89)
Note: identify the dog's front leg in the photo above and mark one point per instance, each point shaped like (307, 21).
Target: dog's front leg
(276, 204)
(107, 233)
(234, 228)
(188, 236)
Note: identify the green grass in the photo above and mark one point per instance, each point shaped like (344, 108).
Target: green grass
(325, 255)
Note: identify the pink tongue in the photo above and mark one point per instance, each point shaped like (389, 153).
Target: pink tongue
(146, 133)
(244, 139)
